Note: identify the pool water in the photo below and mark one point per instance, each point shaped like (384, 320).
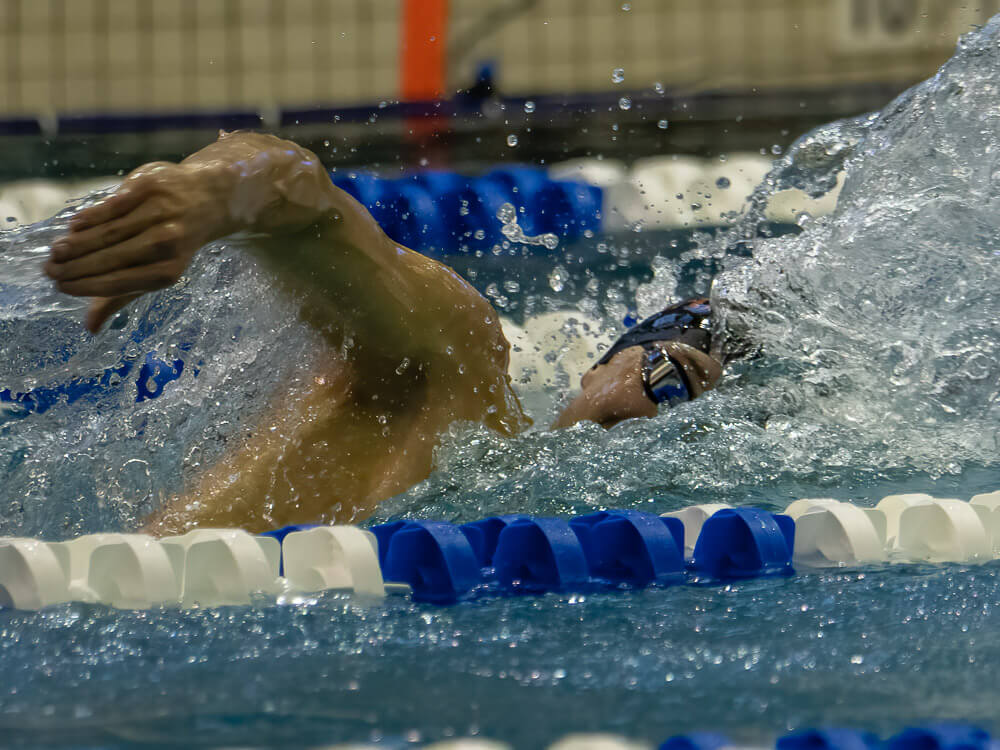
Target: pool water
(877, 372)
(879, 648)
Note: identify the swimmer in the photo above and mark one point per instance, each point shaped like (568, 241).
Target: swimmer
(412, 347)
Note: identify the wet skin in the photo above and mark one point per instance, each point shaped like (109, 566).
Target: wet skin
(361, 427)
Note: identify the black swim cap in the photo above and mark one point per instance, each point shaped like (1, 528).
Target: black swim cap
(689, 322)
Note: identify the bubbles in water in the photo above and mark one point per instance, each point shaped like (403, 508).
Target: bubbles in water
(723, 183)
(776, 149)
(512, 140)
(557, 278)
(529, 106)
(625, 103)
(658, 87)
(663, 124)
(618, 75)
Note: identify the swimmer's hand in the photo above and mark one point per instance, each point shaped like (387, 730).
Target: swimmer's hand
(141, 238)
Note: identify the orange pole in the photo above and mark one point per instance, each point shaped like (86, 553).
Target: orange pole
(422, 57)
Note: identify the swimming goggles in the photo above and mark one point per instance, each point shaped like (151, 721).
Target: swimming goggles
(663, 379)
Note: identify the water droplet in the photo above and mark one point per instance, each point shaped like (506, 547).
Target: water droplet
(625, 103)
(529, 106)
(550, 241)
(507, 213)
(511, 286)
(626, 7)
(618, 75)
(663, 124)
(479, 234)
(723, 183)
(658, 87)
(512, 140)
(776, 150)
(557, 279)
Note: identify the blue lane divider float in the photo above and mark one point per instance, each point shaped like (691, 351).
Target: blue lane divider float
(438, 212)
(697, 741)
(433, 557)
(829, 739)
(444, 563)
(932, 737)
(941, 737)
(745, 543)
(540, 554)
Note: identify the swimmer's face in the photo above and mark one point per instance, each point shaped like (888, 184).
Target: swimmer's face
(611, 393)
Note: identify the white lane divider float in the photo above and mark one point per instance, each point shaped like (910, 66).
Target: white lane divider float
(30, 574)
(830, 532)
(223, 566)
(892, 506)
(333, 558)
(597, 742)
(945, 530)
(128, 571)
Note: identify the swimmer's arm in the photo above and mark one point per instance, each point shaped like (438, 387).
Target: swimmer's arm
(401, 308)
(143, 237)
(394, 303)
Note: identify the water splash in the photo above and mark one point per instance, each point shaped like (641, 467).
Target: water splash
(876, 325)
(513, 232)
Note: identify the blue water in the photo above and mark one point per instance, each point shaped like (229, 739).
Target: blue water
(878, 373)
(878, 648)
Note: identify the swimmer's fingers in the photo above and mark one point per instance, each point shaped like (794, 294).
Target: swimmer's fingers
(133, 191)
(140, 279)
(83, 241)
(103, 308)
(153, 245)
(126, 198)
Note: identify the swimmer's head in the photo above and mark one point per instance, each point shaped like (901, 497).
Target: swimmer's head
(635, 380)
(663, 359)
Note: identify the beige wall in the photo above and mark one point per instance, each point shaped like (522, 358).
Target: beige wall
(142, 55)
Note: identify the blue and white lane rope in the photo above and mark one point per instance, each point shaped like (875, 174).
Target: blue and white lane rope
(443, 563)
(441, 213)
(938, 736)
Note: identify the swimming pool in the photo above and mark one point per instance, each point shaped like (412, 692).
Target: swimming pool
(879, 374)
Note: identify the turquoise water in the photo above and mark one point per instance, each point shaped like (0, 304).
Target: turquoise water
(877, 374)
